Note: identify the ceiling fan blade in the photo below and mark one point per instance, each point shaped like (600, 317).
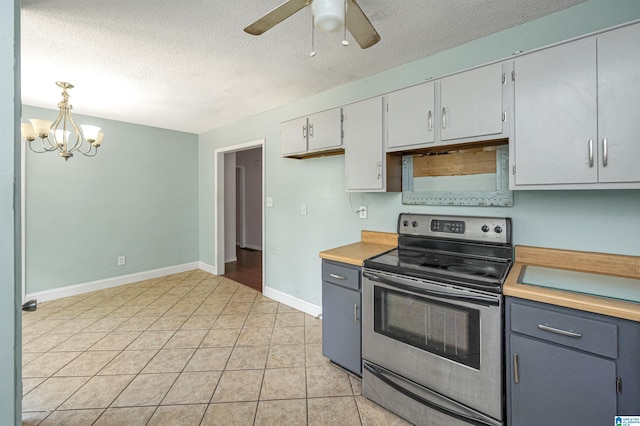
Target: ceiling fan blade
(276, 16)
(360, 27)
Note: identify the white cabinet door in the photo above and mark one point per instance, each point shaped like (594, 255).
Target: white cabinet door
(363, 157)
(471, 103)
(411, 116)
(325, 130)
(293, 136)
(555, 115)
(618, 110)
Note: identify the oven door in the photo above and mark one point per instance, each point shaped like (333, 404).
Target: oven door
(444, 338)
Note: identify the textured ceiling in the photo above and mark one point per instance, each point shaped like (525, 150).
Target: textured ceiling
(187, 64)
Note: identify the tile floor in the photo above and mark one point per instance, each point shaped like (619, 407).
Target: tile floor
(186, 349)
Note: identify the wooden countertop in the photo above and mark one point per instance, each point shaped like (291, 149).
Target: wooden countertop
(371, 243)
(597, 263)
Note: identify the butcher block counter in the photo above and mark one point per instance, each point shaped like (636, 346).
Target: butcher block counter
(371, 243)
(602, 283)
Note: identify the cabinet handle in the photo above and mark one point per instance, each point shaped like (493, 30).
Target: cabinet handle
(559, 331)
(516, 373)
(590, 152)
(355, 314)
(304, 131)
(430, 120)
(310, 130)
(379, 169)
(444, 118)
(337, 277)
(605, 153)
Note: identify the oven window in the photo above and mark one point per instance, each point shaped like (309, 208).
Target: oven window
(441, 328)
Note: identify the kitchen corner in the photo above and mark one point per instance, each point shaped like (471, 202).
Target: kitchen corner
(371, 243)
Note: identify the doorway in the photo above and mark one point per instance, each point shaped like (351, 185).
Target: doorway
(239, 213)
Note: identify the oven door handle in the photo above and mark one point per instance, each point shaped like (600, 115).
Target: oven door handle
(379, 374)
(471, 298)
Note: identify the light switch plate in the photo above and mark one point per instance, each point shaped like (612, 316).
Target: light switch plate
(303, 209)
(363, 212)
(269, 201)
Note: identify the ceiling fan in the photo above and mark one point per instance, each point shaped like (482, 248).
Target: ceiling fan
(328, 15)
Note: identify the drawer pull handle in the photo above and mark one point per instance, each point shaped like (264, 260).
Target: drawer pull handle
(559, 331)
(337, 277)
(516, 373)
(355, 314)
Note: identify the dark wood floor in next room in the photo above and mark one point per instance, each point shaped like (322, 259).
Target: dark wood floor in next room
(247, 270)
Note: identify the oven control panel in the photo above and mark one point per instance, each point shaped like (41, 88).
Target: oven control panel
(471, 228)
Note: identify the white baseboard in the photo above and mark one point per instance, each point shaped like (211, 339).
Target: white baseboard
(208, 268)
(294, 302)
(232, 259)
(73, 290)
(252, 247)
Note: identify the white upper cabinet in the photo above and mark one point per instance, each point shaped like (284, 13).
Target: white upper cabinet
(410, 117)
(306, 136)
(365, 163)
(471, 104)
(576, 114)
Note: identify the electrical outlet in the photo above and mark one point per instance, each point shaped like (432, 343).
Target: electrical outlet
(121, 260)
(303, 209)
(363, 212)
(269, 201)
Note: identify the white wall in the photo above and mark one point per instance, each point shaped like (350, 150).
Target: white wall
(251, 159)
(579, 220)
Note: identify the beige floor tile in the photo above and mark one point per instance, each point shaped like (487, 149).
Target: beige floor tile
(236, 308)
(315, 357)
(126, 311)
(253, 336)
(129, 416)
(209, 359)
(313, 335)
(286, 356)
(260, 319)
(98, 312)
(45, 342)
(169, 322)
(288, 412)
(106, 324)
(87, 363)
(26, 338)
(236, 386)
(311, 321)
(69, 313)
(178, 415)
(79, 342)
(199, 322)
(221, 338)
(287, 336)
(193, 388)
(136, 324)
(327, 381)
(146, 389)
(289, 319)
(75, 325)
(374, 415)
(210, 308)
(284, 383)
(180, 309)
(45, 325)
(98, 392)
(230, 414)
(282, 308)
(48, 364)
(356, 384)
(248, 358)
(128, 362)
(186, 339)
(115, 341)
(169, 361)
(155, 311)
(243, 297)
(72, 418)
(264, 307)
(51, 393)
(230, 321)
(33, 418)
(27, 357)
(333, 411)
(151, 339)
(28, 384)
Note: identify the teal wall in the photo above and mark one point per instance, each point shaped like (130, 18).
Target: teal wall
(606, 221)
(137, 198)
(10, 241)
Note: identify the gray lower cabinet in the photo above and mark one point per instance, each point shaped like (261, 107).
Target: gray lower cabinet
(569, 367)
(341, 333)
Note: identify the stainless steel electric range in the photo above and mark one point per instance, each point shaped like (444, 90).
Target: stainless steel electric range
(432, 320)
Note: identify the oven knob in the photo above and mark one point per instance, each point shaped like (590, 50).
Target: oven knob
(498, 229)
(485, 228)
(405, 223)
(414, 224)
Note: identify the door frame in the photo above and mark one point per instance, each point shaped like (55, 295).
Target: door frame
(241, 216)
(219, 155)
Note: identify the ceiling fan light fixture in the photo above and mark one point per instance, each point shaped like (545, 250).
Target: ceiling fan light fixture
(328, 15)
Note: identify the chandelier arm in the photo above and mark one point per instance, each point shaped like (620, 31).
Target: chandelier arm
(89, 153)
(79, 136)
(43, 147)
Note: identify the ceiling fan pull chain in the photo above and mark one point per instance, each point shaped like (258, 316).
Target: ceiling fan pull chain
(313, 41)
(345, 42)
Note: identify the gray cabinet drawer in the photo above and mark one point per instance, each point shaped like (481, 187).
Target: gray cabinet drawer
(574, 331)
(341, 274)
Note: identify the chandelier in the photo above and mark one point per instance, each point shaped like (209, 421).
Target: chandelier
(63, 135)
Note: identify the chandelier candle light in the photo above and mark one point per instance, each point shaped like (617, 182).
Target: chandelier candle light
(63, 135)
